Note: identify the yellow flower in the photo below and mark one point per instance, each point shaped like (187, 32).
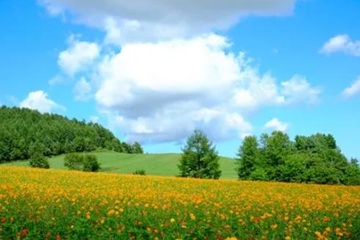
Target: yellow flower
(192, 216)
(111, 212)
(172, 220)
(274, 226)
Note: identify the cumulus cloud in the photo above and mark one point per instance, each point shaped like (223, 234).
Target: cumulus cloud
(82, 90)
(162, 91)
(39, 100)
(353, 89)
(171, 73)
(341, 43)
(298, 89)
(277, 125)
(133, 20)
(78, 56)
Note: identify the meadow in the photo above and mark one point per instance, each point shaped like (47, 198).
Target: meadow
(164, 164)
(60, 204)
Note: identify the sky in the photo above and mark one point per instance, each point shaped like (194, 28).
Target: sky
(154, 71)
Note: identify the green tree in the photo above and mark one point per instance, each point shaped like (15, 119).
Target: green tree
(199, 158)
(74, 161)
(37, 160)
(90, 163)
(277, 147)
(247, 157)
(137, 148)
(352, 173)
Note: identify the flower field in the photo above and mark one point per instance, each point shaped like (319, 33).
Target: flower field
(55, 204)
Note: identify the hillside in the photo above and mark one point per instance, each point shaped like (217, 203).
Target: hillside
(24, 131)
(153, 164)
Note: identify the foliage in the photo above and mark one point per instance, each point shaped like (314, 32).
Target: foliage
(74, 161)
(139, 172)
(57, 204)
(87, 162)
(37, 160)
(248, 157)
(199, 158)
(313, 159)
(24, 130)
(91, 163)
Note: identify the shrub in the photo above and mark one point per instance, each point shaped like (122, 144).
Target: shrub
(258, 174)
(37, 160)
(90, 163)
(74, 161)
(139, 172)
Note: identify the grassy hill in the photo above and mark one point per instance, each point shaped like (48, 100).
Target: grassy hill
(153, 164)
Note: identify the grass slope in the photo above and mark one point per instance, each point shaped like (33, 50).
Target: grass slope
(153, 164)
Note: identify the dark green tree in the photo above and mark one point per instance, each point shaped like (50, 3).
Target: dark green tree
(37, 160)
(91, 163)
(199, 158)
(74, 161)
(247, 157)
(137, 148)
(23, 131)
(352, 173)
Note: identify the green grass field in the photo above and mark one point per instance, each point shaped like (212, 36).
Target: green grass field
(153, 164)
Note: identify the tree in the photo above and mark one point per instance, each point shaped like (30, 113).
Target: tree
(200, 158)
(137, 148)
(352, 173)
(73, 161)
(277, 148)
(37, 160)
(90, 163)
(248, 157)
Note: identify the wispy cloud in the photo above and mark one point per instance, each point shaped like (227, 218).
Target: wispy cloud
(353, 89)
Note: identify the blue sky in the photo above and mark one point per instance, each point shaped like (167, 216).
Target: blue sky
(153, 72)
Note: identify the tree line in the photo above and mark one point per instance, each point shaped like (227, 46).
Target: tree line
(24, 132)
(274, 157)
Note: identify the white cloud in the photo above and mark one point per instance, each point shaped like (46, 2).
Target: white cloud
(162, 91)
(172, 74)
(82, 90)
(298, 89)
(341, 43)
(78, 56)
(161, 19)
(39, 100)
(353, 89)
(55, 80)
(277, 125)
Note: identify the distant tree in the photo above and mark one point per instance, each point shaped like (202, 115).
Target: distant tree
(277, 147)
(91, 163)
(37, 160)
(127, 148)
(139, 172)
(247, 157)
(199, 158)
(137, 148)
(24, 131)
(352, 173)
(74, 161)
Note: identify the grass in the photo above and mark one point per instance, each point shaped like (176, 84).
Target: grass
(153, 164)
